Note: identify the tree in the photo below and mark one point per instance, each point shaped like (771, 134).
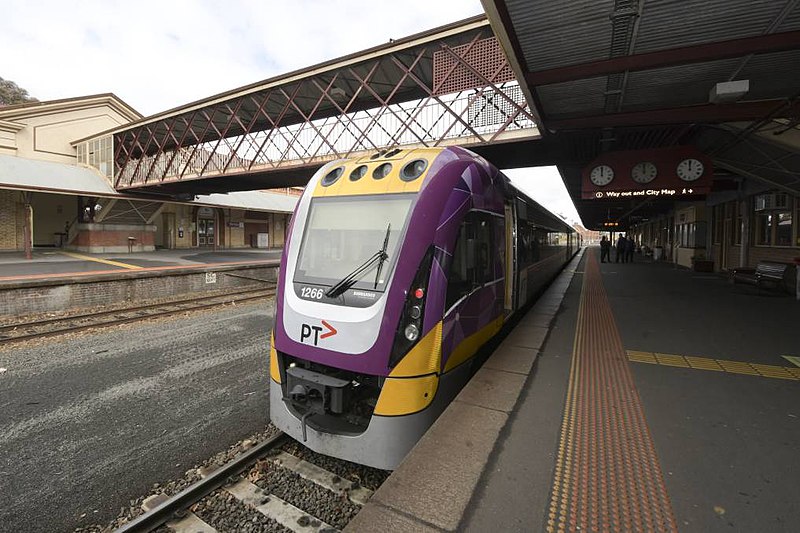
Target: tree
(11, 93)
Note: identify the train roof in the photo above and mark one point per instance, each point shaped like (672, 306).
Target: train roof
(535, 213)
(384, 172)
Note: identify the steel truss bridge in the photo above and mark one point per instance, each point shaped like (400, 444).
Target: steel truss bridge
(451, 85)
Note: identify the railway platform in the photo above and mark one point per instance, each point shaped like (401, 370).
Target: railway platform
(47, 263)
(63, 282)
(631, 397)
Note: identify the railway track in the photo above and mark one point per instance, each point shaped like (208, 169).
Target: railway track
(47, 327)
(274, 486)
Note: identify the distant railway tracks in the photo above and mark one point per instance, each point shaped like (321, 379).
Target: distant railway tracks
(46, 327)
(265, 489)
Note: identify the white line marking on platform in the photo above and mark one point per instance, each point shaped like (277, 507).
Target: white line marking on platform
(324, 478)
(282, 512)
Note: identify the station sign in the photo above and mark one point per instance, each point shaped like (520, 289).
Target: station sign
(661, 173)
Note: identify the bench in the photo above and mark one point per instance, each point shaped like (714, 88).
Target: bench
(775, 275)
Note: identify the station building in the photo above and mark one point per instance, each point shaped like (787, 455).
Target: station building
(728, 230)
(55, 188)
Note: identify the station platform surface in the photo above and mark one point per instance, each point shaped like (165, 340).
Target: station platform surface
(47, 263)
(631, 397)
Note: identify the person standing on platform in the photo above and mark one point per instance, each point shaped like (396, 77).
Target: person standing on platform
(621, 248)
(630, 246)
(605, 250)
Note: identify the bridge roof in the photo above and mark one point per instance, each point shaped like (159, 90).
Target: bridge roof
(401, 70)
(608, 75)
(455, 33)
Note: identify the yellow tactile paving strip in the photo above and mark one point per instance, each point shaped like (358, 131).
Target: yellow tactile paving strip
(717, 365)
(100, 260)
(608, 477)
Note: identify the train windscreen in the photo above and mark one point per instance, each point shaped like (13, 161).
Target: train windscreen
(342, 234)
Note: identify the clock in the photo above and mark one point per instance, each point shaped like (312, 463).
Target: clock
(644, 172)
(690, 169)
(601, 175)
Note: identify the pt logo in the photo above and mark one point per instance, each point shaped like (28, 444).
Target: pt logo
(307, 331)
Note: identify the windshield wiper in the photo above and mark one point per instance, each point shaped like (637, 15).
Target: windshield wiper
(383, 256)
(349, 280)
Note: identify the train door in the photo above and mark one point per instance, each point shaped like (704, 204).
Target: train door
(510, 262)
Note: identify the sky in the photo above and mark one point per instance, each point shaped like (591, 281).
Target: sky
(157, 55)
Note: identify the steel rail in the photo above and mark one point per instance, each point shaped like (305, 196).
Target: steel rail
(197, 491)
(118, 321)
(126, 309)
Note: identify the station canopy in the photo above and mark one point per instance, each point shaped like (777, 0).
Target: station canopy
(615, 75)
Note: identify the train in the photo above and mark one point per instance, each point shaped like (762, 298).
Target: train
(397, 268)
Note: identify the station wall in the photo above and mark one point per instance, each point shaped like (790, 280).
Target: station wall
(717, 233)
(52, 215)
(12, 220)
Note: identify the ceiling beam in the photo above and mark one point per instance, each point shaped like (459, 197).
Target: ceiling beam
(706, 113)
(761, 44)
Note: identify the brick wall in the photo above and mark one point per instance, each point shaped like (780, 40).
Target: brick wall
(757, 253)
(9, 240)
(98, 238)
(129, 288)
(763, 253)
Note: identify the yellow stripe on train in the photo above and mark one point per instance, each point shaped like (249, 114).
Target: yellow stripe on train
(407, 390)
(469, 346)
(274, 372)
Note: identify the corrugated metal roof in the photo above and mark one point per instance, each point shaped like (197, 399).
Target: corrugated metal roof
(772, 75)
(675, 86)
(30, 175)
(554, 34)
(559, 34)
(253, 200)
(21, 173)
(677, 23)
(574, 98)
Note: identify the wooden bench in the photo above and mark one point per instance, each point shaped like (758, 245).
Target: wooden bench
(767, 273)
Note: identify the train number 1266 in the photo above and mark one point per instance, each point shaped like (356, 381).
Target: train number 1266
(315, 293)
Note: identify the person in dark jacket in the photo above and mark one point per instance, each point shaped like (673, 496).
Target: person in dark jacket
(630, 246)
(621, 248)
(605, 250)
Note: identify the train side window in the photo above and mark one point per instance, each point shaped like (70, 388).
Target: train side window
(459, 278)
(471, 265)
(483, 238)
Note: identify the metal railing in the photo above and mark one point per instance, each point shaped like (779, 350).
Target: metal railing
(475, 117)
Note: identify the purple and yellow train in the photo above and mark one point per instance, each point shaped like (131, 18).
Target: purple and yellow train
(397, 268)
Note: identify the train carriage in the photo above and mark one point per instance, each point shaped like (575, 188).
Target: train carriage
(397, 268)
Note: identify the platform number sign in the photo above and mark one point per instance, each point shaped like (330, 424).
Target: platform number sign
(211, 277)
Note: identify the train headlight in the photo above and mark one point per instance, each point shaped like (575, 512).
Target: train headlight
(382, 171)
(412, 332)
(409, 327)
(332, 176)
(358, 173)
(413, 170)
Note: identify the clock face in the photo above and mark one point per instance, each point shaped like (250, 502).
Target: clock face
(601, 175)
(644, 172)
(689, 169)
